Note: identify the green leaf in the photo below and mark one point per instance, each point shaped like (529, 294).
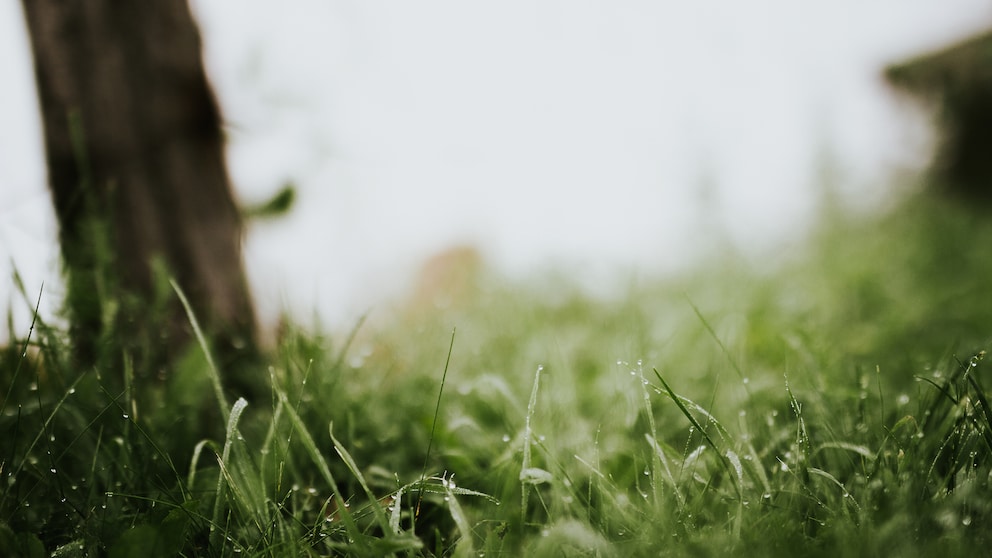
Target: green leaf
(276, 206)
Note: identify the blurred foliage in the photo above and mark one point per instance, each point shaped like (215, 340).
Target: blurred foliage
(831, 404)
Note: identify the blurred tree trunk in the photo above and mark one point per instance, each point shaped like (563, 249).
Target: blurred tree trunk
(137, 175)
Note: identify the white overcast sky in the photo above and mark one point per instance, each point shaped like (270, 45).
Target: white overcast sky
(578, 133)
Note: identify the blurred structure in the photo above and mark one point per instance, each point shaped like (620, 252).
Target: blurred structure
(448, 279)
(957, 82)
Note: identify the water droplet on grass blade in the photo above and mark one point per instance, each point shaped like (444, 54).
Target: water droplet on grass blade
(535, 475)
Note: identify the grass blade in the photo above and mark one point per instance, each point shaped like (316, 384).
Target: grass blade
(232, 428)
(437, 412)
(726, 352)
(464, 546)
(525, 468)
(318, 459)
(213, 372)
(377, 511)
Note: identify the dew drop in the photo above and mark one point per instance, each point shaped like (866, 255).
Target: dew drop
(506, 437)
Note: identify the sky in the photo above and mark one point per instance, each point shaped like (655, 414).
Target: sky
(606, 138)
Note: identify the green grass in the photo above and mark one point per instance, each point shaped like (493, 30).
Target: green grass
(833, 405)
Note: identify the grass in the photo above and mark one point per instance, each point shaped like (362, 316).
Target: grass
(834, 405)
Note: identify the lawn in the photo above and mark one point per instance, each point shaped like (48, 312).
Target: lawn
(831, 403)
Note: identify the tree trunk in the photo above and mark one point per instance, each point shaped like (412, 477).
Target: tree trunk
(137, 175)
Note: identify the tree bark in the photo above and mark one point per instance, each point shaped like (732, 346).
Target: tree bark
(135, 160)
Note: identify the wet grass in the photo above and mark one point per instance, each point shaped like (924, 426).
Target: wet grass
(834, 405)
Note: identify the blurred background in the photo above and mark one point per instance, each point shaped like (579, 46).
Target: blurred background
(607, 140)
